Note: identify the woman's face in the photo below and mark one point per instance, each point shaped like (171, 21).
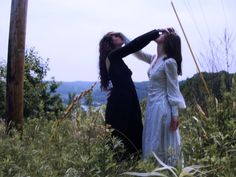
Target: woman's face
(161, 38)
(163, 34)
(117, 39)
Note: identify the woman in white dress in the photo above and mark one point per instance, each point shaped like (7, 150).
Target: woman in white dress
(161, 133)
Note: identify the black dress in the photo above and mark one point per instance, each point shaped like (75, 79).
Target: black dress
(123, 110)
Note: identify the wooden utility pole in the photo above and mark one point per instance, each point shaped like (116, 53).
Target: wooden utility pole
(15, 64)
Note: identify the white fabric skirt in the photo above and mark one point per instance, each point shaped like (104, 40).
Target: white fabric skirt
(157, 136)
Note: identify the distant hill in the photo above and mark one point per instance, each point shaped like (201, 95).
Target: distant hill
(72, 87)
(99, 97)
(192, 88)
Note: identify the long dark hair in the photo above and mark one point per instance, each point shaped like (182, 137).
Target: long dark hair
(105, 47)
(172, 48)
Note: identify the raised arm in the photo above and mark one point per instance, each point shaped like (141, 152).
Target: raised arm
(139, 54)
(135, 45)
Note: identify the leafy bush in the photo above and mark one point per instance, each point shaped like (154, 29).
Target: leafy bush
(40, 97)
(62, 148)
(210, 139)
(2, 88)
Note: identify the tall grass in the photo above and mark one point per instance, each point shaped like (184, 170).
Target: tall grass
(61, 148)
(79, 145)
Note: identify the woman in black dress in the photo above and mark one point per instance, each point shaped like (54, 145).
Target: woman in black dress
(123, 111)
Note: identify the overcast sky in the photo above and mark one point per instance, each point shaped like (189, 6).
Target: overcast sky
(68, 31)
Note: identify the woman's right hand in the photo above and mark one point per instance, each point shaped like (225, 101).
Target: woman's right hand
(166, 30)
(174, 124)
(171, 30)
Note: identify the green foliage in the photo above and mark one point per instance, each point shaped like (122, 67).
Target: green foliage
(62, 148)
(2, 88)
(210, 139)
(89, 100)
(167, 171)
(40, 97)
(80, 145)
(194, 91)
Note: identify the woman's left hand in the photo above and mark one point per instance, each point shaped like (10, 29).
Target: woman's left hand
(174, 124)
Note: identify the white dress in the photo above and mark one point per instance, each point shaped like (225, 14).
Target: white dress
(163, 101)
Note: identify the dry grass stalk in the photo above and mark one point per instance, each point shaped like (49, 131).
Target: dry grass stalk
(200, 110)
(76, 99)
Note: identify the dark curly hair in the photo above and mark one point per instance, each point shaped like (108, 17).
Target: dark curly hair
(105, 47)
(172, 48)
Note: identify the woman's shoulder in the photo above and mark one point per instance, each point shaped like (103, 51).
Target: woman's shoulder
(170, 61)
(170, 65)
(113, 54)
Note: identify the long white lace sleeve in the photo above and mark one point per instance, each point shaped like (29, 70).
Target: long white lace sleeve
(174, 95)
(140, 54)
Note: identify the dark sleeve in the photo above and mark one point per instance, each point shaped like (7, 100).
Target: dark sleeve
(135, 45)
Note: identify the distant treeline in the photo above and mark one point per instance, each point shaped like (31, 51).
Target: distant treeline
(99, 97)
(192, 88)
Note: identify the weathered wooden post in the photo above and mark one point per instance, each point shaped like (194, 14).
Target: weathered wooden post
(15, 64)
